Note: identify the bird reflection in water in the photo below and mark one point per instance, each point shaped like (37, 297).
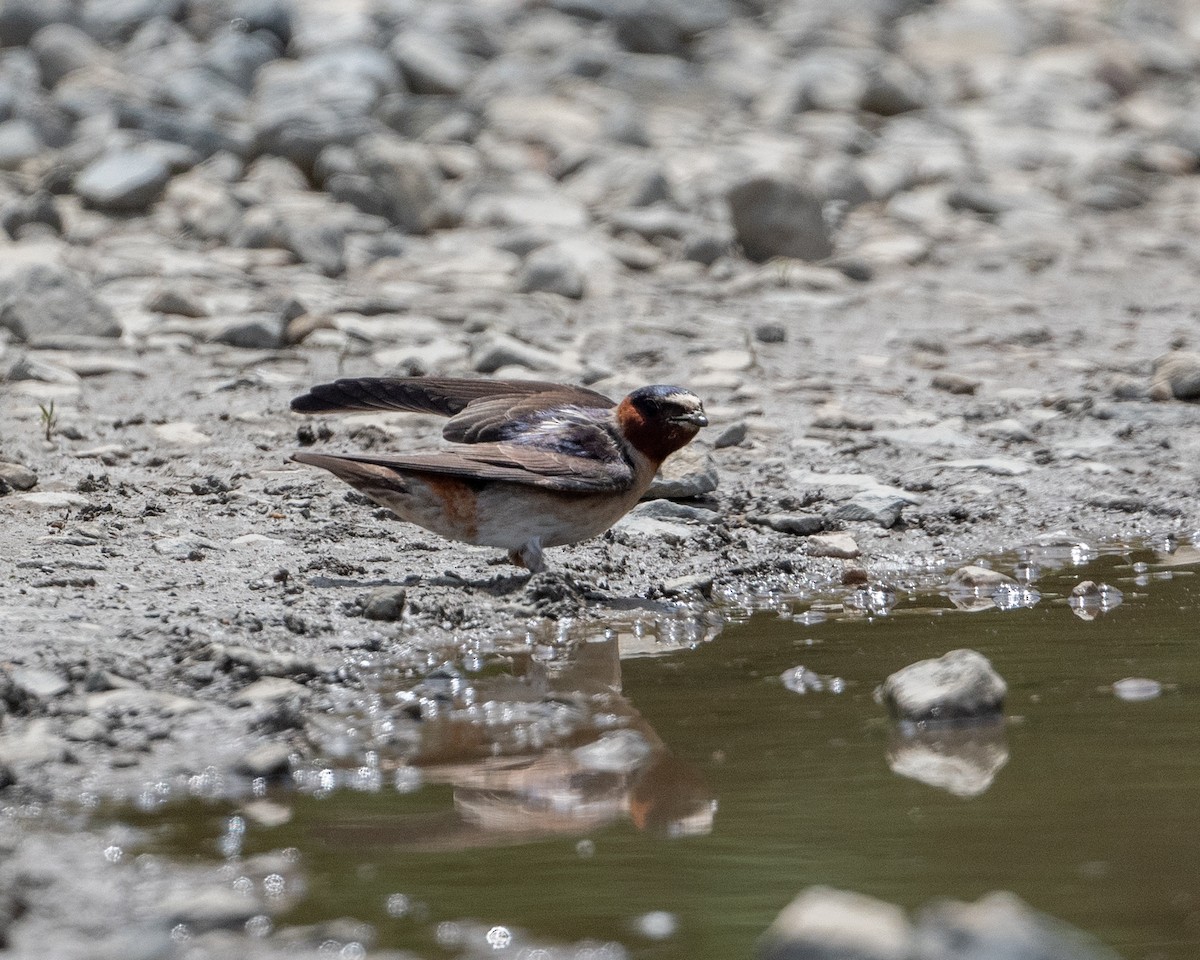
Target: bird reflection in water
(597, 762)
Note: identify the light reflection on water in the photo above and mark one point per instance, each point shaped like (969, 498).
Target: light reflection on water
(566, 794)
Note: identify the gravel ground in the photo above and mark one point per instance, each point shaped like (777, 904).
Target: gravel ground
(931, 266)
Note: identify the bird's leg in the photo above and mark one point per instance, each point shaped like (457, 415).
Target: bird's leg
(529, 556)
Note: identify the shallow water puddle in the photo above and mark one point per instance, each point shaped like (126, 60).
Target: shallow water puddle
(669, 806)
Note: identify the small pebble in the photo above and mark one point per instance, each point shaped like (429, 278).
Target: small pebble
(1134, 689)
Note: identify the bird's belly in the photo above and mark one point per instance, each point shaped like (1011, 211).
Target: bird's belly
(510, 515)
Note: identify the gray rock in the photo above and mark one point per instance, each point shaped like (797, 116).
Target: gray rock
(215, 908)
(959, 686)
(175, 302)
(44, 299)
(654, 26)
(706, 246)
(1007, 429)
(840, 546)
(1124, 386)
(33, 745)
(237, 55)
(135, 700)
(954, 383)
(19, 141)
(116, 21)
(264, 663)
(255, 332)
(551, 270)
(770, 333)
(893, 87)
(61, 48)
(496, 350)
(125, 181)
(269, 761)
(1137, 689)
(20, 20)
(699, 584)
(797, 524)
(193, 128)
(430, 65)
(397, 180)
(385, 603)
(685, 475)
(670, 510)
(1000, 925)
(18, 477)
(977, 198)
(85, 730)
(39, 209)
(873, 507)
(827, 924)
(269, 691)
(978, 578)
(322, 245)
(732, 436)
(38, 684)
(779, 218)
(1108, 192)
(1176, 375)
(182, 548)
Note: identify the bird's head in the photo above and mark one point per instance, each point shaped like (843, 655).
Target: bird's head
(658, 420)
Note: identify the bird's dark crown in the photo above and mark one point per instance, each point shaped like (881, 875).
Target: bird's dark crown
(665, 402)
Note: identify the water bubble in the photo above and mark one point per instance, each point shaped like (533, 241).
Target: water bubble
(585, 849)
(180, 933)
(449, 934)
(499, 938)
(802, 680)
(407, 780)
(397, 905)
(657, 925)
(1081, 553)
(1141, 567)
(259, 926)
(258, 787)
(875, 599)
(1013, 597)
(352, 951)
(1136, 689)
(230, 844)
(244, 886)
(810, 617)
(113, 853)
(274, 885)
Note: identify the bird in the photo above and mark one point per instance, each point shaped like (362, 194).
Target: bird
(538, 464)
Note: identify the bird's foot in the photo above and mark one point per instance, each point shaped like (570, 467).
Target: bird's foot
(529, 556)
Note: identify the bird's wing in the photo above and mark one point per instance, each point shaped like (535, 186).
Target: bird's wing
(565, 417)
(531, 465)
(446, 396)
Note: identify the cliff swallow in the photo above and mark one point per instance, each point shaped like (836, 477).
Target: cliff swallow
(544, 464)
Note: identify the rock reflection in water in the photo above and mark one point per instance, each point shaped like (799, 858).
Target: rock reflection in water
(963, 761)
(554, 749)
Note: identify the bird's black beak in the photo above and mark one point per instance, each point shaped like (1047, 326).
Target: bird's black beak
(696, 418)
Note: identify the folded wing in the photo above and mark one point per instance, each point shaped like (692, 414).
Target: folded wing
(512, 462)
